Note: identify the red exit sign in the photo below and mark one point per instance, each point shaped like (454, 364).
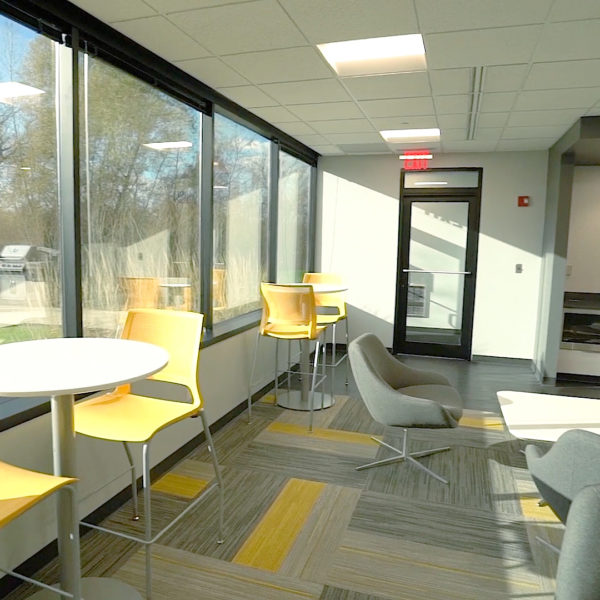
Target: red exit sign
(416, 160)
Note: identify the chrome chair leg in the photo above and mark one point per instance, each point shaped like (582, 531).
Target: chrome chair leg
(134, 494)
(147, 519)
(276, 359)
(312, 387)
(347, 358)
(289, 367)
(251, 377)
(333, 359)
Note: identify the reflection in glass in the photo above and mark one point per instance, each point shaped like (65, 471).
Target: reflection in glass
(30, 298)
(437, 251)
(240, 213)
(140, 175)
(292, 218)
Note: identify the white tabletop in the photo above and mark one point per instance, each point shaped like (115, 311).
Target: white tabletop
(545, 416)
(74, 365)
(328, 288)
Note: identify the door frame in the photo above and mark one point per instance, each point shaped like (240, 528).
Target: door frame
(473, 196)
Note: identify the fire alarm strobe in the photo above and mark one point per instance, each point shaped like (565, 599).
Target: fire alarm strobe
(523, 201)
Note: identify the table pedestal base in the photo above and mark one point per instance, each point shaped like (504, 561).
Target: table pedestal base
(96, 588)
(293, 400)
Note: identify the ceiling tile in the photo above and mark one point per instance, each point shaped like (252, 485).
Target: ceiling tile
(398, 107)
(451, 81)
(401, 85)
(275, 114)
(567, 10)
(307, 92)
(110, 11)
(453, 135)
(355, 138)
(288, 64)
(170, 6)
(507, 78)
(326, 111)
(336, 20)
(246, 27)
(469, 146)
(488, 133)
(448, 105)
(556, 99)
(295, 128)
(543, 117)
(525, 145)
(162, 37)
(327, 150)
(506, 45)
(521, 133)
(311, 139)
(405, 122)
(492, 119)
(365, 148)
(569, 41)
(441, 15)
(248, 96)
(212, 71)
(564, 74)
(453, 121)
(342, 126)
(497, 102)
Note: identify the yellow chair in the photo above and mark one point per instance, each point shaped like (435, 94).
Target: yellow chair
(122, 416)
(289, 313)
(20, 490)
(335, 301)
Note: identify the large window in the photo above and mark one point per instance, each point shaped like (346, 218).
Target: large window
(240, 213)
(292, 218)
(140, 174)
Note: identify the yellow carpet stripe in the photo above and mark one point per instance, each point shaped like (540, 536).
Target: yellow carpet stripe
(268, 545)
(482, 423)
(531, 510)
(334, 435)
(179, 485)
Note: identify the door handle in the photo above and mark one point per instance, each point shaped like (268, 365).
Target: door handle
(442, 272)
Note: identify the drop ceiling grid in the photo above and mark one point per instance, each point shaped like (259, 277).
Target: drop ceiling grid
(542, 58)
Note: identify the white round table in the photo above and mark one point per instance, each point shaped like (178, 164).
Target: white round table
(60, 368)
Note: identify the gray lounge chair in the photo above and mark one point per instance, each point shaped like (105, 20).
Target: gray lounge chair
(398, 396)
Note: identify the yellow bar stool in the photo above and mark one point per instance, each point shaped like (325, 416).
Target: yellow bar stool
(20, 490)
(122, 416)
(289, 313)
(332, 301)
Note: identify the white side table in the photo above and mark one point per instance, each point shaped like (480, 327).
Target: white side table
(60, 368)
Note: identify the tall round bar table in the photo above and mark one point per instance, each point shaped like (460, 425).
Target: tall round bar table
(61, 368)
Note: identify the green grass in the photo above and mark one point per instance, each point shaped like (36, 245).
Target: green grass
(28, 331)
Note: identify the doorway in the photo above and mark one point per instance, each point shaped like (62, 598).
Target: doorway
(437, 262)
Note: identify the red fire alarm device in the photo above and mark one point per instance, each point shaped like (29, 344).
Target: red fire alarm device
(523, 201)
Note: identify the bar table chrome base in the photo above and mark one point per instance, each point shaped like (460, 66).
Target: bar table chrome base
(293, 400)
(96, 588)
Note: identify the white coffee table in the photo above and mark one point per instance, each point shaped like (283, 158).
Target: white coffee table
(60, 368)
(545, 416)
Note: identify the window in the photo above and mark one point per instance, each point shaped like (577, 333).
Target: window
(140, 176)
(292, 218)
(240, 217)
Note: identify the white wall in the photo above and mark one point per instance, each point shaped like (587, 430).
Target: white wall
(223, 375)
(583, 254)
(358, 237)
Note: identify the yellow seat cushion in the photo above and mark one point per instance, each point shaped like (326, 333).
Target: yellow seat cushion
(289, 332)
(124, 417)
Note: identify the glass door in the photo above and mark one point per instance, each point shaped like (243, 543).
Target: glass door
(436, 274)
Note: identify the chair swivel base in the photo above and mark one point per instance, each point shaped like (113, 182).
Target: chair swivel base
(293, 400)
(407, 456)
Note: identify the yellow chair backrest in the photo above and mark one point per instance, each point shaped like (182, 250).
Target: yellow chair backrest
(289, 305)
(336, 300)
(178, 332)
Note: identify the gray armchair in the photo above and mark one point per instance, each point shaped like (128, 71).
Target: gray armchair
(398, 396)
(572, 463)
(578, 573)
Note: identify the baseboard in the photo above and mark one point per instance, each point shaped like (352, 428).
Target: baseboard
(50, 551)
(577, 378)
(505, 360)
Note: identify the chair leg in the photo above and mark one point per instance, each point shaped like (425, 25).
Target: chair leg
(147, 518)
(289, 367)
(312, 387)
(217, 468)
(323, 371)
(251, 377)
(134, 493)
(347, 358)
(276, 359)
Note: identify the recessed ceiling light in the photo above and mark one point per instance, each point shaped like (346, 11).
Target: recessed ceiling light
(168, 145)
(372, 56)
(402, 136)
(14, 89)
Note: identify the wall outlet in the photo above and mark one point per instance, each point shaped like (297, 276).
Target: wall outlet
(518, 268)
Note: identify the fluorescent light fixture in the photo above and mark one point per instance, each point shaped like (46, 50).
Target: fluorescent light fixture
(421, 156)
(430, 183)
(220, 187)
(168, 145)
(372, 56)
(405, 136)
(13, 89)
(25, 168)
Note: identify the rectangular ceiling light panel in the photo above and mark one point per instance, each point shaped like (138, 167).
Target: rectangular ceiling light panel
(375, 56)
(410, 136)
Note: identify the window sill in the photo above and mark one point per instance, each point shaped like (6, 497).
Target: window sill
(230, 328)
